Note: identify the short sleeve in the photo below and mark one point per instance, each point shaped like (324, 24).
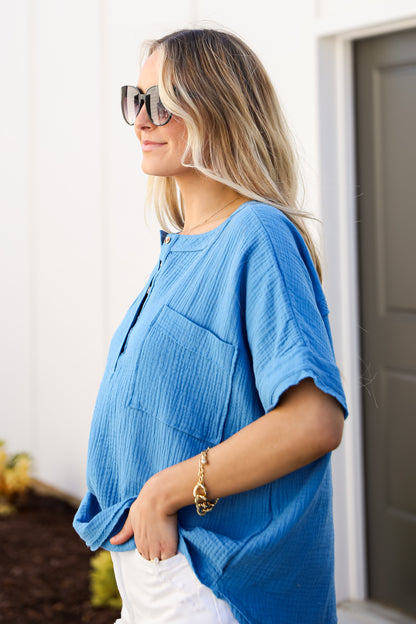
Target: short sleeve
(286, 314)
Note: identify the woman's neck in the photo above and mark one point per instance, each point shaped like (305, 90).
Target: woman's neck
(207, 203)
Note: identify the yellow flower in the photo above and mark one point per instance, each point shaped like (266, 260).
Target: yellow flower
(17, 474)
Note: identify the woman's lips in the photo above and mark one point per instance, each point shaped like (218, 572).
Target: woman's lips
(148, 146)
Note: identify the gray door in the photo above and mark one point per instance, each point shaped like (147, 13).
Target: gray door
(385, 72)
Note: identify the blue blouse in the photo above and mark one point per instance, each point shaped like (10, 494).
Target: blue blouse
(228, 320)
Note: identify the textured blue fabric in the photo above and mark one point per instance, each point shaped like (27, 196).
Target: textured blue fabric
(233, 317)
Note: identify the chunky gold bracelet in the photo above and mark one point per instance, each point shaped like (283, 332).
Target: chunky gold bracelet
(202, 504)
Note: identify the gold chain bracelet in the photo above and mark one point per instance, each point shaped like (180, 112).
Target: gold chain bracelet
(202, 504)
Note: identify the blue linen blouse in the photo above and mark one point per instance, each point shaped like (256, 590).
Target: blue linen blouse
(228, 320)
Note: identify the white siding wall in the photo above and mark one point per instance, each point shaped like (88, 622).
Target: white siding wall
(74, 245)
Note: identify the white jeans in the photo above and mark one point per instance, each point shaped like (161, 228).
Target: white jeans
(167, 592)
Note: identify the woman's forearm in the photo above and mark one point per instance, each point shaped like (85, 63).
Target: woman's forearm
(306, 425)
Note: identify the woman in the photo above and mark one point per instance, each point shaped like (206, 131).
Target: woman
(227, 348)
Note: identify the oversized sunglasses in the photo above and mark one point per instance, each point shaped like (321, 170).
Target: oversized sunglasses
(132, 100)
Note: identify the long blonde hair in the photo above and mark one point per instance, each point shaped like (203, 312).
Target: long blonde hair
(236, 131)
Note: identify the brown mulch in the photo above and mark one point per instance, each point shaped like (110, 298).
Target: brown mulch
(44, 567)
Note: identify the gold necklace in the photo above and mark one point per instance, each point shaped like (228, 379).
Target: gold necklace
(210, 217)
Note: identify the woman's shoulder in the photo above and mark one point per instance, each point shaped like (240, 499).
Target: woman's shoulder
(253, 210)
(265, 238)
(261, 224)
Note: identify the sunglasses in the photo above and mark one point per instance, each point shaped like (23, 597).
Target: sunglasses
(132, 100)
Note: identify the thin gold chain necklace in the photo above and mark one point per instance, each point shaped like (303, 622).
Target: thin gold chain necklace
(214, 214)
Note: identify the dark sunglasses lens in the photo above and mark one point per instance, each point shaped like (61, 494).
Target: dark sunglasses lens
(158, 114)
(130, 104)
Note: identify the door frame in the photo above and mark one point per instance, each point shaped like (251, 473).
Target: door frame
(341, 276)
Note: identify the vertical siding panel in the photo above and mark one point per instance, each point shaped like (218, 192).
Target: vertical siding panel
(67, 234)
(15, 121)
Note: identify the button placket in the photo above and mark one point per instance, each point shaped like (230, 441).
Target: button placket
(165, 251)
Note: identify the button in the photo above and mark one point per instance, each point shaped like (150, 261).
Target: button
(167, 240)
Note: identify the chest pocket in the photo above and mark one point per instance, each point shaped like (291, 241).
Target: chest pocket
(184, 375)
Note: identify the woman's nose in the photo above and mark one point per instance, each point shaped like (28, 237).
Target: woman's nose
(142, 120)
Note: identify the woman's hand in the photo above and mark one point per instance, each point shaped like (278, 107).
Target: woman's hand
(155, 530)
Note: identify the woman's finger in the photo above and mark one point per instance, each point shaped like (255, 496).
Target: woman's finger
(125, 534)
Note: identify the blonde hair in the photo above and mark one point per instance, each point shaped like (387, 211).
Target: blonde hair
(236, 131)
